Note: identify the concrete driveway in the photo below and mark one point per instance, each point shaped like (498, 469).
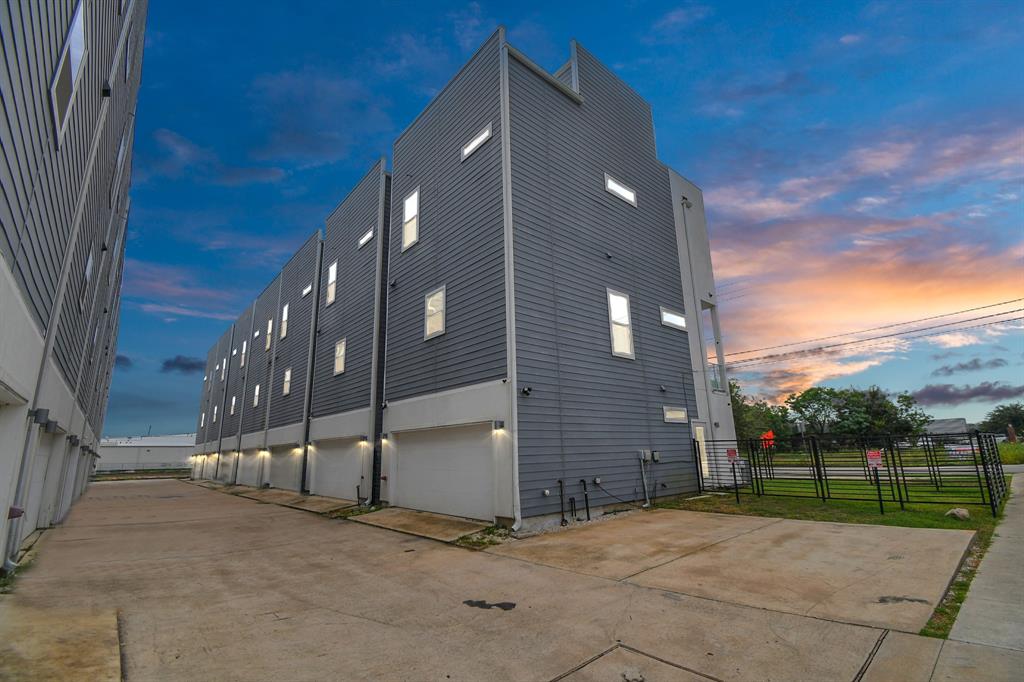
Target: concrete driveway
(872, 575)
(215, 586)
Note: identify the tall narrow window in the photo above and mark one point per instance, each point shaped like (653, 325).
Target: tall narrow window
(69, 69)
(620, 190)
(284, 321)
(286, 385)
(128, 54)
(270, 333)
(411, 220)
(433, 313)
(86, 276)
(241, 360)
(223, 368)
(621, 328)
(332, 282)
(232, 406)
(214, 414)
(339, 357)
(202, 419)
(122, 150)
(256, 396)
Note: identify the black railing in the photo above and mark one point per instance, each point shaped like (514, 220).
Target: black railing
(929, 469)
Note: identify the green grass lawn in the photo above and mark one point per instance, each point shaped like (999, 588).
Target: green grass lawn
(846, 511)
(1011, 453)
(958, 488)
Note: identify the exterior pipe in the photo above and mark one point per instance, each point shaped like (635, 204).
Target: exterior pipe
(380, 336)
(586, 497)
(313, 332)
(561, 501)
(643, 478)
(20, 493)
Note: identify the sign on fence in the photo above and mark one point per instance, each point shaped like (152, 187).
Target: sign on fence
(732, 454)
(875, 459)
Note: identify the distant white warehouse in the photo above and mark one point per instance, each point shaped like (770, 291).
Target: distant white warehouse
(138, 453)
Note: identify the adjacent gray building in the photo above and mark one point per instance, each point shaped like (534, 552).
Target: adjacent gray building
(68, 82)
(534, 324)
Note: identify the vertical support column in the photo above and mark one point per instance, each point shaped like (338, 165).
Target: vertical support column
(313, 331)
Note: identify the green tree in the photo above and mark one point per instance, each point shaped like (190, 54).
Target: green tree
(817, 407)
(754, 417)
(873, 411)
(997, 420)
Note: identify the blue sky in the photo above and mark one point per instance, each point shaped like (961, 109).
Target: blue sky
(862, 165)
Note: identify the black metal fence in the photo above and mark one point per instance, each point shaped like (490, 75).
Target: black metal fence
(945, 469)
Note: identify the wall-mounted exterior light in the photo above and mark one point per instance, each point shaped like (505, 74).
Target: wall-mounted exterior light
(499, 424)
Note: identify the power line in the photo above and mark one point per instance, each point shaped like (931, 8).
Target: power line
(784, 357)
(874, 329)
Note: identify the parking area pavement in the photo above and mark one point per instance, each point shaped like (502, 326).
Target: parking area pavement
(214, 586)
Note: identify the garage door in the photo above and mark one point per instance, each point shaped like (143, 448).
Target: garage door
(285, 468)
(337, 468)
(449, 471)
(249, 469)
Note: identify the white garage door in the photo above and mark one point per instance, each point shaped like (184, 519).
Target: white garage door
(448, 471)
(337, 468)
(285, 468)
(249, 469)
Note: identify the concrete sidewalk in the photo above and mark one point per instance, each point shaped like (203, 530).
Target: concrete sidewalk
(993, 612)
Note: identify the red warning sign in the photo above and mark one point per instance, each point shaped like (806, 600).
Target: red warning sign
(875, 459)
(732, 454)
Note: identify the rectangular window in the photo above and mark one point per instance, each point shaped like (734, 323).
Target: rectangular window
(122, 150)
(69, 69)
(284, 321)
(86, 276)
(476, 142)
(365, 239)
(671, 318)
(621, 327)
(433, 322)
(256, 396)
(286, 385)
(234, 352)
(332, 282)
(618, 189)
(214, 414)
(270, 333)
(411, 220)
(202, 419)
(232, 406)
(675, 415)
(339, 357)
(223, 368)
(128, 54)
(305, 292)
(241, 361)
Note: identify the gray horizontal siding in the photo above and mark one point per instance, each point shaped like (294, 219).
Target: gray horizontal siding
(236, 377)
(352, 313)
(203, 429)
(259, 361)
(589, 413)
(460, 240)
(293, 350)
(220, 385)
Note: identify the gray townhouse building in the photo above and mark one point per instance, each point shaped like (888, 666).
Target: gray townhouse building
(534, 326)
(69, 80)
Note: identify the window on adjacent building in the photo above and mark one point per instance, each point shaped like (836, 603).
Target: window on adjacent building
(256, 396)
(621, 327)
(232, 405)
(332, 282)
(214, 414)
(69, 69)
(241, 360)
(202, 419)
(411, 219)
(671, 318)
(270, 333)
(620, 190)
(339, 356)
(476, 142)
(286, 385)
(284, 321)
(676, 415)
(433, 322)
(365, 239)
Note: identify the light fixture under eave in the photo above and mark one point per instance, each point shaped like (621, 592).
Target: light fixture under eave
(499, 424)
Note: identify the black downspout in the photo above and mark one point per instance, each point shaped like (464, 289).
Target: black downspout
(586, 497)
(310, 364)
(561, 501)
(380, 350)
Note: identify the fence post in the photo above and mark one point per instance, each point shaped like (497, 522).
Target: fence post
(696, 466)
(735, 483)
(878, 486)
(890, 466)
(988, 479)
(819, 469)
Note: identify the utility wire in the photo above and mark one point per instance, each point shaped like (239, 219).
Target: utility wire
(874, 329)
(783, 357)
